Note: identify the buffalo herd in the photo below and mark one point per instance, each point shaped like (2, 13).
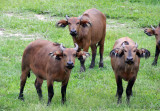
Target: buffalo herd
(53, 62)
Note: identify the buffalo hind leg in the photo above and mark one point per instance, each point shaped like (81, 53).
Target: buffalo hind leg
(24, 75)
(129, 88)
(156, 56)
(119, 89)
(94, 51)
(101, 50)
(38, 84)
(50, 91)
(63, 91)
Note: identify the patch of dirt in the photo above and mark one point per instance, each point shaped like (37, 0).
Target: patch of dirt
(7, 34)
(114, 24)
(35, 16)
(14, 15)
(46, 18)
(40, 17)
(1, 33)
(9, 14)
(111, 24)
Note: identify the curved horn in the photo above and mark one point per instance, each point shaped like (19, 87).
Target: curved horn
(61, 46)
(123, 45)
(76, 48)
(136, 45)
(67, 17)
(152, 27)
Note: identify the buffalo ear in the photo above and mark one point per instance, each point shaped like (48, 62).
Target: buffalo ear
(85, 23)
(149, 32)
(62, 23)
(56, 55)
(143, 53)
(82, 55)
(117, 52)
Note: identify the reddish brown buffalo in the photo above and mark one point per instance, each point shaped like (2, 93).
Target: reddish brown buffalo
(125, 59)
(87, 30)
(156, 32)
(48, 61)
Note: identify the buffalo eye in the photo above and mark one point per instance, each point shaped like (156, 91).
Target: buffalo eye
(74, 55)
(69, 23)
(134, 50)
(125, 50)
(64, 55)
(78, 23)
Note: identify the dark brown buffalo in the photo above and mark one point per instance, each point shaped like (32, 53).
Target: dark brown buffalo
(156, 32)
(87, 30)
(125, 59)
(48, 61)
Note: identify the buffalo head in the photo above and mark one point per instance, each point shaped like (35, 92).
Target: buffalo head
(74, 24)
(68, 55)
(154, 31)
(129, 52)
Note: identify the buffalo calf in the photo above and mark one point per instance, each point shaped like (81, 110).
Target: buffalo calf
(48, 61)
(125, 60)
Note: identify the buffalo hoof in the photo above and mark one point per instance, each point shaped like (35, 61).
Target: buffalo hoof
(48, 103)
(63, 102)
(40, 98)
(40, 95)
(91, 66)
(100, 65)
(21, 98)
(82, 69)
(119, 101)
(154, 63)
(128, 100)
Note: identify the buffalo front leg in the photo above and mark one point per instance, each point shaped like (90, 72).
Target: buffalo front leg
(50, 91)
(156, 56)
(119, 89)
(22, 83)
(101, 50)
(63, 91)
(94, 51)
(38, 84)
(82, 61)
(82, 68)
(129, 88)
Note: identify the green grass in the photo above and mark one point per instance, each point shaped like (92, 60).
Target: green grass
(145, 12)
(94, 89)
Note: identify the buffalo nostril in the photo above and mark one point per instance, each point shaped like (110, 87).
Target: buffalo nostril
(69, 63)
(129, 58)
(73, 31)
(146, 32)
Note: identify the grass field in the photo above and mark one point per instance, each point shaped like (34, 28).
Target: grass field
(22, 21)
